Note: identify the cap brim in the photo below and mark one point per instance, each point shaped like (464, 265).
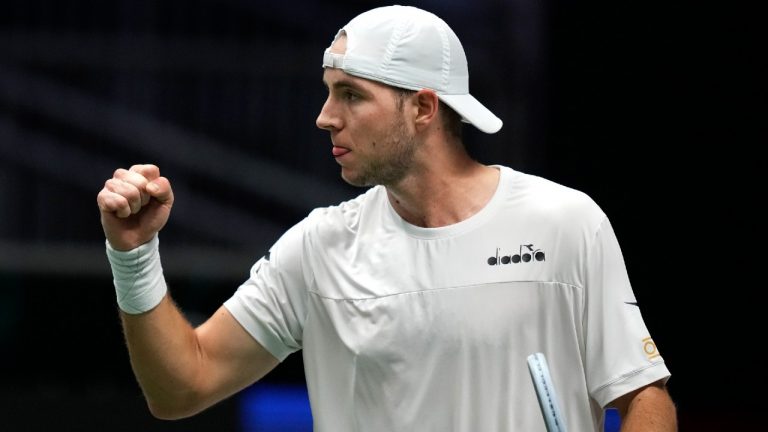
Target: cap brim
(473, 112)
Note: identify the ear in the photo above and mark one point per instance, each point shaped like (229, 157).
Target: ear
(426, 104)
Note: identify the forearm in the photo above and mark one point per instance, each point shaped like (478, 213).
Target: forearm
(180, 369)
(164, 348)
(166, 359)
(652, 410)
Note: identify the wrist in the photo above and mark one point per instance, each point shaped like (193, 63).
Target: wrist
(137, 276)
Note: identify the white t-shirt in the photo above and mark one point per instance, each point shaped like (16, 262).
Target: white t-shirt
(406, 328)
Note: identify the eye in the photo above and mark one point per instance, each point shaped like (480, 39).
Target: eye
(350, 96)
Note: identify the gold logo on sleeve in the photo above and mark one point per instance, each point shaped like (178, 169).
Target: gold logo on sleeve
(649, 348)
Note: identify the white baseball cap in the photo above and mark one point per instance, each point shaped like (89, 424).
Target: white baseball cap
(410, 48)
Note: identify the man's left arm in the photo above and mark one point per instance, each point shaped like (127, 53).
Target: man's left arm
(648, 408)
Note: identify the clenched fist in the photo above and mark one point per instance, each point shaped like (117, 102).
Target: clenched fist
(135, 205)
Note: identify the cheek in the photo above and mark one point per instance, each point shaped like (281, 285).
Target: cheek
(371, 125)
(372, 130)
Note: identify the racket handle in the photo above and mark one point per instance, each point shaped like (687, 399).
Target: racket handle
(545, 391)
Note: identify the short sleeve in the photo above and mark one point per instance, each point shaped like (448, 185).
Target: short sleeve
(272, 304)
(621, 356)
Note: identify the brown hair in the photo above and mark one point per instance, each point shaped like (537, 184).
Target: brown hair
(451, 119)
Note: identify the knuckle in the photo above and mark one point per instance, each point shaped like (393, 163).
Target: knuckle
(121, 206)
(111, 202)
(136, 179)
(111, 185)
(145, 169)
(131, 192)
(101, 198)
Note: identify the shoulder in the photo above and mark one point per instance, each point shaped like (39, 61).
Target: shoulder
(324, 226)
(552, 201)
(346, 217)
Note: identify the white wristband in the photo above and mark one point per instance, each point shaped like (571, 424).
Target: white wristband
(138, 277)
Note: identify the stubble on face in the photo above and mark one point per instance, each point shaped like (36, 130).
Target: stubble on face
(392, 159)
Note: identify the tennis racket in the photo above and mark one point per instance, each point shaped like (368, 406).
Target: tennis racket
(545, 391)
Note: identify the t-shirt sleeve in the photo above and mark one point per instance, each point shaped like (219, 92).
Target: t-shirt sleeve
(621, 356)
(272, 304)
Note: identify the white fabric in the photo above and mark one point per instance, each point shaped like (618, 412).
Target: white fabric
(410, 48)
(138, 277)
(406, 328)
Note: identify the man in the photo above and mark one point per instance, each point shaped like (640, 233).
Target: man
(416, 303)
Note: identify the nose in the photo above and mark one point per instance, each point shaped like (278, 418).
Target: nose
(328, 118)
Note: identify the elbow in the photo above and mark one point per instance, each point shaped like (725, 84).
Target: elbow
(176, 409)
(164, 412)
(161, 412)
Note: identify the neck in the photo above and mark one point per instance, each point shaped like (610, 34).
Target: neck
(446, 188)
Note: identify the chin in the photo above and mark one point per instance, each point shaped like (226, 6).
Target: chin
(355, 180)
(350, 179)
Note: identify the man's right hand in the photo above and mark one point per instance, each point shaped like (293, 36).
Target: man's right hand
(135, 205)
(182, 370)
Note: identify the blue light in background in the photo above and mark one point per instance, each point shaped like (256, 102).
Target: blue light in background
(612, 420)
(266, 407)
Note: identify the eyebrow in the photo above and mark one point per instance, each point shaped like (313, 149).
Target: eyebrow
(344, 83)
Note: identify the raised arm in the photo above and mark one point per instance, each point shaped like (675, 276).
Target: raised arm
(647, 409)
(181, 370)
(184, 371)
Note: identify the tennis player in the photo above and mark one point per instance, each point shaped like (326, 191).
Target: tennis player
(416, 304)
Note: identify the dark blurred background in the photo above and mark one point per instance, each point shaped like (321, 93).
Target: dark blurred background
(650, 108)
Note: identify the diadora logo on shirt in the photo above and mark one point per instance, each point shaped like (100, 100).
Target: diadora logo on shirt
(525, 254)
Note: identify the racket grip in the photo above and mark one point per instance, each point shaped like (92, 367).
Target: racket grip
(545, 391)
